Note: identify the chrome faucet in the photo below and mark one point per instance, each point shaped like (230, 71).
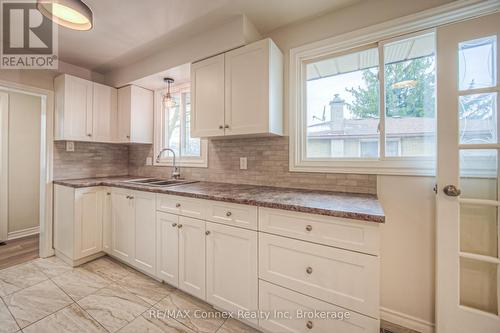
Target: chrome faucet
(176, 174)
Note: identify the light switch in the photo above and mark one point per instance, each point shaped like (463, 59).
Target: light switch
(70, 146)
(243, 163)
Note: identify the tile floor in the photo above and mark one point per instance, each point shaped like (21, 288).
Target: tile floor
(46, 295)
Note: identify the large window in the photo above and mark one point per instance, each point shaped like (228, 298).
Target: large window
(372, 107)
(174, 130)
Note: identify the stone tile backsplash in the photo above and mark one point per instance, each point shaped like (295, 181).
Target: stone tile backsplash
(267, 165)
(90, 160)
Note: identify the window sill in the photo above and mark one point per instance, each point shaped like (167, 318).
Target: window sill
(185, 163)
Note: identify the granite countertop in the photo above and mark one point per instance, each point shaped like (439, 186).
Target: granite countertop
(363, 207)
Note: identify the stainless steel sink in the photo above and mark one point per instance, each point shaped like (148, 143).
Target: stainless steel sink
(156, 182)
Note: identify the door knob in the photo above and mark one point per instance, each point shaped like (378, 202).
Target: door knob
(451, 191)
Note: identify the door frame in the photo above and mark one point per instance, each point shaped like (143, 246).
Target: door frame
(46, 248)
(4, 144)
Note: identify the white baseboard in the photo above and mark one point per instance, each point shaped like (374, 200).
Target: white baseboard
(23, 233)
(407, 321)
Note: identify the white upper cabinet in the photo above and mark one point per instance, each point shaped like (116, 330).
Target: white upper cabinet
(73, 105)
(85, 110)
(207, 91)
(105, 117)
(135, 115)
(239, 93)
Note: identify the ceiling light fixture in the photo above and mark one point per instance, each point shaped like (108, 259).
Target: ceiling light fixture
(72, 14)
(168, 101)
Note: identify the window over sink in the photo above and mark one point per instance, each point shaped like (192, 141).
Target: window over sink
(173, 130)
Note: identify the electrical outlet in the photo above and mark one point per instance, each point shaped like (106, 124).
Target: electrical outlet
(70, 146)
(149, 161)
(243, 163)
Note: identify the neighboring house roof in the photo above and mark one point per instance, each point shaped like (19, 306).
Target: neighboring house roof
(411, 126)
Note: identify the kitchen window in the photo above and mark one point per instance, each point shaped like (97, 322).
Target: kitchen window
(173, 130)
(369, 109)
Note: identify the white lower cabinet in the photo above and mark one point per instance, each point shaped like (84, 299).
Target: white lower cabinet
(292, 312)
(167, 245)
(106, 221)
(232, 281)
(122, 225)
(144, 254)
(77, 222)
(192, 256)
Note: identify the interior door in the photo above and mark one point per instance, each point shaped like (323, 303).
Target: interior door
(468, 275)
(4, 145)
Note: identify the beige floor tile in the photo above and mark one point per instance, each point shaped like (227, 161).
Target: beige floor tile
(33, 303)
(52, 266)
(145, 287)
(182, 301)
(7, 323)
(15, 278)
(80, 283)
(113, 307)
(235, 326)
(145, 324)
(71, 319)
(108, 268)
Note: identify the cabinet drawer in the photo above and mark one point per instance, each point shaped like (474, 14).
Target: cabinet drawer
(348, 279)
(332, 231)
(181, 205)
(243, 216)
(274, 298)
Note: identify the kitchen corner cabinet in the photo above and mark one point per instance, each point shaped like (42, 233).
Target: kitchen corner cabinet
(85, 110)
(239, 93)
(77, 223)
(135, 115)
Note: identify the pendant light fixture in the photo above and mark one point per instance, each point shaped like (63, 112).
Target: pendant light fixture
(168, 101)
(72, 14)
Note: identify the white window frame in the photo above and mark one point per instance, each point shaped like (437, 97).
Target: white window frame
(159, 121)
(381, 34)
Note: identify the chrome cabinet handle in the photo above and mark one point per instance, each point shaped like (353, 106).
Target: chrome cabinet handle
(221, 127)
(89, 135)
(174, 225)
(309, 270)
(451, 191)
(128, 136)
(309, 324)
(177, 205)
(309, 227)
(228, 214)
(128, 196)
(108, 193)
(226, 126)
(179, 226)
(131, 197)
(207, 232)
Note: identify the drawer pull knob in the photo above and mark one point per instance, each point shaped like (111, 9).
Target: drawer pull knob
(131, 197)
(207, 232)
(109, 193)
(229, 214)
(179, 226)
(309, 270)
(221, 127)
(177, 205)
(128, 196)
(309, 227)
(174, 225)
(309, 324)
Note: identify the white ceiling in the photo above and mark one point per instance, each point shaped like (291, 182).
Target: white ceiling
(126, 29)
(181, 74)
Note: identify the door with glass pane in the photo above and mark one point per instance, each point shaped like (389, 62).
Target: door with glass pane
(468, 265)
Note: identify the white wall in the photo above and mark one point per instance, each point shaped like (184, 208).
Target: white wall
(24, 161)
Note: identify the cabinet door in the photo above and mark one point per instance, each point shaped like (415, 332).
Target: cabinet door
(167, 244)
(88, 222)
(144, 256)
(106, 221)
(141, 115)
(104, 113)
(247, 89)
(192, 256)
(122, 225)
(77, 109)
(207, 91)
(232, 281)
(124, 105)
